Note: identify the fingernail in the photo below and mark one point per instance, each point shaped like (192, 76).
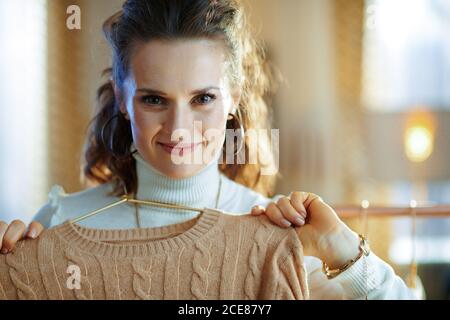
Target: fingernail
(303, 213)
(4, 251)
(285, 223)
(299, 220)
(32, 234)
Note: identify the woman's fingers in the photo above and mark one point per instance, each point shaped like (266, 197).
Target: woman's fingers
(13, 234)
(34, 230)
(285, 211)
(297, 198)
(275, 215)
(320, 214)
(289, 212)
(257, 210)
(3, 228)
(314, 220)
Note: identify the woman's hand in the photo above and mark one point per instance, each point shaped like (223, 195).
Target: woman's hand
(15, 231)
(319, 228)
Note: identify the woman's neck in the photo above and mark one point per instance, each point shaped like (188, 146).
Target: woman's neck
(197, 191)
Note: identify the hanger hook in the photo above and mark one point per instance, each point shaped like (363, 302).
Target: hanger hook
(413, 267)
(124, 188)
(364, 205)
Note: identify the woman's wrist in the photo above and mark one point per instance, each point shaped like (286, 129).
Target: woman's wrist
(340, 247)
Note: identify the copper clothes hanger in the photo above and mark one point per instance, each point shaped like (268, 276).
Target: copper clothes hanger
(413, 280)
(127, 198)
(365, 223)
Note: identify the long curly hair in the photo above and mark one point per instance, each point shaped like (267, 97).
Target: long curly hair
(145, 20)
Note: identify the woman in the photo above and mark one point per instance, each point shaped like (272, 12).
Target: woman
(191, 66)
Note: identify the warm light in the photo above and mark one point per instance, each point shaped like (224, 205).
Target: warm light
(419, 135)
(418, 144)
(365, 204)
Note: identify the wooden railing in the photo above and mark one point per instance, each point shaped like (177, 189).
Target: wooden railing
(374, 211)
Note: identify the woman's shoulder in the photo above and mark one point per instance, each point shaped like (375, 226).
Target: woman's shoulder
(239, 199)
(61, 205)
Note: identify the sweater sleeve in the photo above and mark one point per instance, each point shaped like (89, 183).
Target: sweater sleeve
(369, 275)
(374, 277)
(45, 215)
(286, 277)
(292, 282)
(7, 291)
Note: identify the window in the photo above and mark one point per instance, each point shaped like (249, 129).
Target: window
(406, 64)
(406, 54)
(23, 88)
(432, 234)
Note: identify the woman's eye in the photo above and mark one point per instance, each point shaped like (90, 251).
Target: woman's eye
(151, 100)
(205, 98)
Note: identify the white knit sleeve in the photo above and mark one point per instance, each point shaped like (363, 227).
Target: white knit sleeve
(47, 215)
(369, 275)
(375, 278)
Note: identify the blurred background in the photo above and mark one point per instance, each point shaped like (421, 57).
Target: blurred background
(364, 113)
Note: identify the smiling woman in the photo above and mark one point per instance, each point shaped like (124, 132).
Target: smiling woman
(185, 74)
(193, 66)
(201, 66)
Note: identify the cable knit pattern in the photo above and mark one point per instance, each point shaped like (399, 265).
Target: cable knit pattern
(111, 279)
(3, 293)
(19, 275)
(256, 260)
(142, 278)
(213, 256)
(75, 258)
(47, 265)
(201, 264)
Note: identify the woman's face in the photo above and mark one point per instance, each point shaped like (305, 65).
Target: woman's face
(176, 89)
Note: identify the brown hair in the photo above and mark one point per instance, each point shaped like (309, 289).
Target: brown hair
(144, 20)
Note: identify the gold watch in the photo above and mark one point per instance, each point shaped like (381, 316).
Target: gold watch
(364, 249)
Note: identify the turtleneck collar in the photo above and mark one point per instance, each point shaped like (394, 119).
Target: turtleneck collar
(198, 191)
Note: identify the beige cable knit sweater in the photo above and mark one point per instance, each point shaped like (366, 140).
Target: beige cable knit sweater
(213, 256)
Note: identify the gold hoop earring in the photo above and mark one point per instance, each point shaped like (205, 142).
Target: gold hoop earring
(110, 145)
(235, 119)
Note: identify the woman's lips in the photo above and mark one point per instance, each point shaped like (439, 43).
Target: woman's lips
(181, 149)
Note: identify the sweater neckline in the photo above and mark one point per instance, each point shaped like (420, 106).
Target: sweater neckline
(155, 240)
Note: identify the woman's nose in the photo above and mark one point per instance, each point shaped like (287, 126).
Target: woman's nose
(180, 121)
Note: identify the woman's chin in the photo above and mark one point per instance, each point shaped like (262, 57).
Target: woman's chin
(180, 171)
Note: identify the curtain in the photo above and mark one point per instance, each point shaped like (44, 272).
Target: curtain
(349, 17)
(68, 101)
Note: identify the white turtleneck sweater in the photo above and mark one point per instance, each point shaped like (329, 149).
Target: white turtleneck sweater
(201, 191)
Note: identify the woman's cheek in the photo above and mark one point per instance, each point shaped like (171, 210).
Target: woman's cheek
(215, 117)
(214, 134)
(144, 127)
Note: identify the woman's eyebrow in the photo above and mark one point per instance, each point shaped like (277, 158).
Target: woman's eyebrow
(162, 93)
